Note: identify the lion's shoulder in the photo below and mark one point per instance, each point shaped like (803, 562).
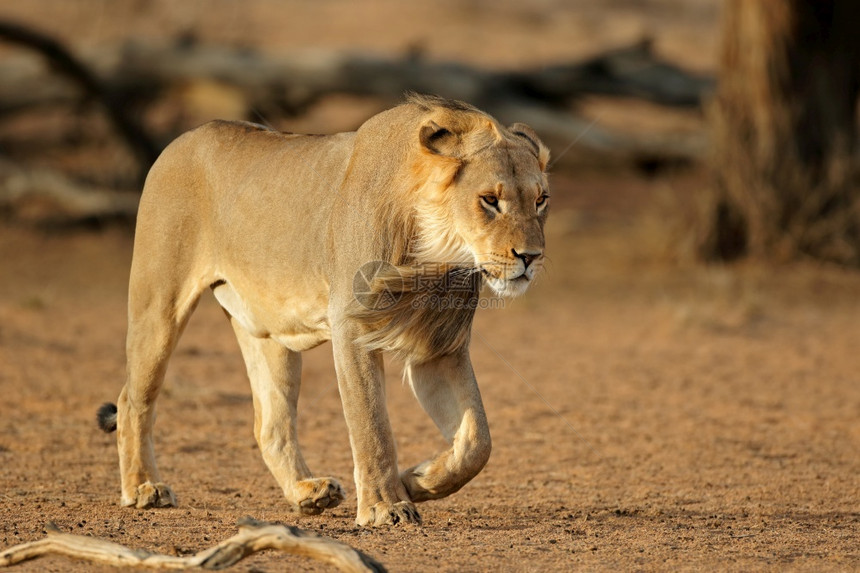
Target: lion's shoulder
(244, 128)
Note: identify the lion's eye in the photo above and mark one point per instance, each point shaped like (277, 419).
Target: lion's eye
(541, 200)
(490, 200)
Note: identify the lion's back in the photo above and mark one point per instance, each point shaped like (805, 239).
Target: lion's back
(223, 169)
(222, 151)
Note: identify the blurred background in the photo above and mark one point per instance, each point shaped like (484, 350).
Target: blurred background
(93, 90)
(682, 382)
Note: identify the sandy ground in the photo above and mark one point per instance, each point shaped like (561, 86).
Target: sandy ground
(645, 415)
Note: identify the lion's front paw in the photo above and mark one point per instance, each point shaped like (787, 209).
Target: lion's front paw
(412, 481)
(150, 494)
(316, 494)
(384, 513)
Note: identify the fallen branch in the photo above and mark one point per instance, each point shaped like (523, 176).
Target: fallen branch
(632, 71)
(289, 83)
(292, 82)
(69, 199)
(296, 78)
(64, 62)
(253, 536)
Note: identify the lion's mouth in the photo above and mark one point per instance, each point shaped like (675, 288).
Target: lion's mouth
(506, 286)
(488, 274)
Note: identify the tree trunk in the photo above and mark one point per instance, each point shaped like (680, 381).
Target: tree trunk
(784, 124)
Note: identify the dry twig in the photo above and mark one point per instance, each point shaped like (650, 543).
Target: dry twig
(66, 197)
(253, 536)
(63, 61)
(292, 82)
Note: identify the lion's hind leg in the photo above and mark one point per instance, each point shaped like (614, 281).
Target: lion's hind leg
(275, 374)
(158, 312)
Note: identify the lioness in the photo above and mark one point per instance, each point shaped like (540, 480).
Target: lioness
(281, 227)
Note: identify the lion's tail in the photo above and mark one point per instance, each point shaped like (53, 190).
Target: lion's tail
(106, 417)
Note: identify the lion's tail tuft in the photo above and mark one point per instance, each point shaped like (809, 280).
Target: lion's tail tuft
(106, 417)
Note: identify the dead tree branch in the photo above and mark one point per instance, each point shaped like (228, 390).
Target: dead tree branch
(632, 71)
(297, 79)
(293, 82)
(64, 197)
(253, 536)
(289, 83)
(65, 63)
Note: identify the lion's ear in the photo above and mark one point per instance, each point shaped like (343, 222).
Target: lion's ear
(527, 133)
(439, 140)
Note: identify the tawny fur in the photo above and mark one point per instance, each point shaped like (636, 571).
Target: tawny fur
(277, 226)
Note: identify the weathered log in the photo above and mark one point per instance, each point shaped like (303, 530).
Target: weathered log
(67, 199)
(291, 82)
(253, 536)
(298, 78)
(64, 62)
(631, 71)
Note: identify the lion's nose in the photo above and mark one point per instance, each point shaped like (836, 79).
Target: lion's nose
(528, 257)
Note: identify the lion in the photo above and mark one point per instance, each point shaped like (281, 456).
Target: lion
(280, 227)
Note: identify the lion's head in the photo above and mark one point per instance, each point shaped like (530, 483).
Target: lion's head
(484, 194)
